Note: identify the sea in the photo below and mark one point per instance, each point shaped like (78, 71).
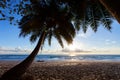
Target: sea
(16, 57)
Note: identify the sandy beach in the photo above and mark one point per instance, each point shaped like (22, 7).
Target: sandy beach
(68, 70)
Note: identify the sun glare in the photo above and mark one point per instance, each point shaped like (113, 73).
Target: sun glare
(72, 54)
(71, 47)
(75, 46)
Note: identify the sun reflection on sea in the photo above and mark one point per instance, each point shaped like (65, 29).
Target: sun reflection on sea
(73, 57)
(72, 54)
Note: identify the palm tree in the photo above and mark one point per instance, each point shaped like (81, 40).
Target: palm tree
(113, 7)
(60, 19)
(43, 26)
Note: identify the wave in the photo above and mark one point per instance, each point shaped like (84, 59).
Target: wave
(63, 57)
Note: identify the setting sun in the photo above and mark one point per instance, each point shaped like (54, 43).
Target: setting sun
(75, 46)
(72, 54)
(71, 47)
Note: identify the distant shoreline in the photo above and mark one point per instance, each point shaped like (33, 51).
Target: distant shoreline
(62, 58)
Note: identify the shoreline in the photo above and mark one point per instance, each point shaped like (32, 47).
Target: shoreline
(69, 70)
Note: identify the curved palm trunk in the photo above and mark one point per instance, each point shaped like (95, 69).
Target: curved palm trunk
(113, 6)
(16, 72)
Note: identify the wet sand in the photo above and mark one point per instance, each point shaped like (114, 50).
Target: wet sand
(68, 70)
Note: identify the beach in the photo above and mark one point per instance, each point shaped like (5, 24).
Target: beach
(68, 70)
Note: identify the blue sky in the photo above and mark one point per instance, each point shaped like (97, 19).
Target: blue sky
(103, 41)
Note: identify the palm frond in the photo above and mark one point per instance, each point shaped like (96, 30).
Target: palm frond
(59, 38)
(50, 38)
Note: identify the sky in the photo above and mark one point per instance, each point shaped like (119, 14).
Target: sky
(101, 42)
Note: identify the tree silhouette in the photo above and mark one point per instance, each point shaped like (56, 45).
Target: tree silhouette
(61, 19)
(42, 25)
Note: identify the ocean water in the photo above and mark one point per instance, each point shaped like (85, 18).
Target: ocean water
(12, 57)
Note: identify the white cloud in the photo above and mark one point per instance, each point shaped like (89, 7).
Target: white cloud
(110, 42)
(107, 40)
(76, 50)
(83, 35)
(8, 50)
(113, 42)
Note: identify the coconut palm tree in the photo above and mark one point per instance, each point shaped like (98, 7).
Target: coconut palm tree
(45, 19)
(43, 26)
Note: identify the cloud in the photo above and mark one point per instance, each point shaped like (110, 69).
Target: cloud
(4, 50)
(76, 50)
(110, 42)
(83, 35)
(107, 40)
(113, 42)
